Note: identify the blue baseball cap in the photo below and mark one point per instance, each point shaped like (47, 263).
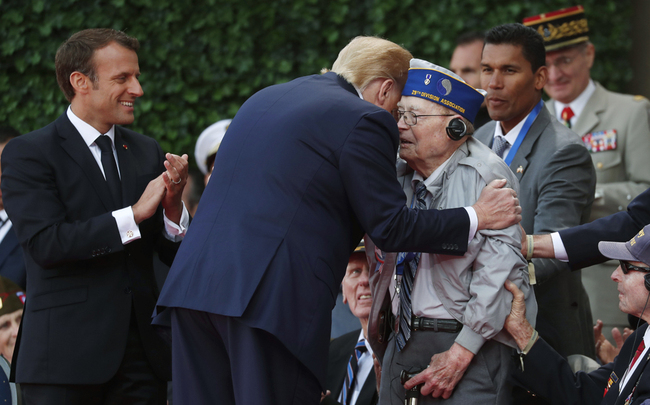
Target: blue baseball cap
(636, 249)
(442, 86)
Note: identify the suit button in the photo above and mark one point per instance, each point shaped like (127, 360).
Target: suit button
(127, 290)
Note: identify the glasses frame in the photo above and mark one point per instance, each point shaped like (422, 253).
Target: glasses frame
(402, 114)
(626, 267)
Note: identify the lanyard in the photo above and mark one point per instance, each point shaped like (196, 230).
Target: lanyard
(524, 131)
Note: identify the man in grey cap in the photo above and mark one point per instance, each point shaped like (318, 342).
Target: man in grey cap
(548, 374)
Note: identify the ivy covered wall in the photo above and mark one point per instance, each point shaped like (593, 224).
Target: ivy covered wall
(200, 60)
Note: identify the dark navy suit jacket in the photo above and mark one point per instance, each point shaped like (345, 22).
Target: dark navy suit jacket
(548, 374)
(84, 284)
(581, 242)
(12, 262)
(305, 169)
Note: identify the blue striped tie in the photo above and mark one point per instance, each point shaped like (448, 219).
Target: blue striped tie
(410, 267)
(350, 376)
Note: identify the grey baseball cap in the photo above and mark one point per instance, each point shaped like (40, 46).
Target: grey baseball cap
(636, 249)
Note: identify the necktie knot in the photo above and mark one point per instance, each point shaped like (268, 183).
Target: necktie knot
(567, 114)
(500, 144)
(104, 143)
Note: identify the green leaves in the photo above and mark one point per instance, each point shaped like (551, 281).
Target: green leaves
(200, 61)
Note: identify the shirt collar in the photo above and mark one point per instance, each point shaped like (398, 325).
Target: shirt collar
(513, 134)
(365, 342)
(577, 105)
(87, 131)
(3, 215)
(417, 176)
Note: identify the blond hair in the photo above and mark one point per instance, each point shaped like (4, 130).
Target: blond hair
(365, 59)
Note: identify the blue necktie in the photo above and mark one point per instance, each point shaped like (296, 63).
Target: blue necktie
(411, 262)
(351, 375)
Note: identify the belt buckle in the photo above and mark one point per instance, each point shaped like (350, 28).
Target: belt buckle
(415, 323)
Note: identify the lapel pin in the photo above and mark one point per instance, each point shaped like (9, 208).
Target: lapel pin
(520, 169)
(427, 80)
(125, 147)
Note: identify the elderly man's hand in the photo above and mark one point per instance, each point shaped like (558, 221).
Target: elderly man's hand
(444, 372)
(497, 207)
(516, 323)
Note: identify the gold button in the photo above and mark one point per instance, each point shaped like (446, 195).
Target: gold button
(599, 165)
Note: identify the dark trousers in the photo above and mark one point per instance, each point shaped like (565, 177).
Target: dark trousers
(220, 360)
(135, 383)
(484, 382)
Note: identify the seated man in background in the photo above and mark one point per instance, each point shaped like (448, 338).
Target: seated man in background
(448, 309)
(350, 374)
(547, 374)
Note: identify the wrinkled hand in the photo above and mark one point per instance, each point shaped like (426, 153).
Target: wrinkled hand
(377, 366)
(443, 373)
(605, 351)
(175, 179)
(497, 207)
(149, 200)
(516, 323)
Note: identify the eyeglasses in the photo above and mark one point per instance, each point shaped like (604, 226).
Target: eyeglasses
(411, 118)
(564, 61)
(626, 267)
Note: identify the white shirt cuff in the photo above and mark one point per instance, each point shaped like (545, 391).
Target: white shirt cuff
(174, 232)
(558, 247)
(473, 223)
(129, 230)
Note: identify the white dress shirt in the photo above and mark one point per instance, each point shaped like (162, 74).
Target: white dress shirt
(577, 105)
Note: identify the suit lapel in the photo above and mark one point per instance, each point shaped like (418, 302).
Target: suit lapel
(74, 145)
(127, 168)
(588, 119)
(633, 380)
(520, 161)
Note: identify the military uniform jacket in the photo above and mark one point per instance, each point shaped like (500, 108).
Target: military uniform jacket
(616, 131)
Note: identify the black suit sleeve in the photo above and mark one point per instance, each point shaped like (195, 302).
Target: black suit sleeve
(367, 166)
(581, 242)
(34, 201)
(549, 375)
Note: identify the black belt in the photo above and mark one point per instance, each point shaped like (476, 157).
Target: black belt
(436, 325)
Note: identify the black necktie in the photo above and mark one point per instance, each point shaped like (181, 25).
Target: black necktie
(110, 169)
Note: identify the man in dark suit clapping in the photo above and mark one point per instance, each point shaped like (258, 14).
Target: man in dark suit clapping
(90, 201)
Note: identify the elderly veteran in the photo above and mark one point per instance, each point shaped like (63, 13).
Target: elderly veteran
(207, 145)
(449, 310)
(548, 374)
